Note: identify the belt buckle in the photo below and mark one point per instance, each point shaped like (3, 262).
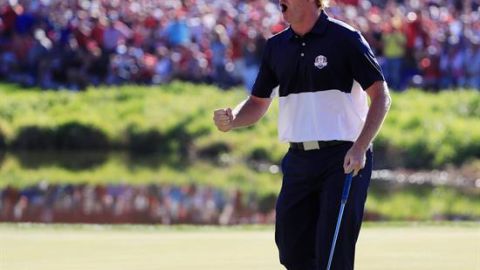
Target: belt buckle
(310, 145)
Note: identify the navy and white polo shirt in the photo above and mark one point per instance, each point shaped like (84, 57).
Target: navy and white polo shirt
(321, 78)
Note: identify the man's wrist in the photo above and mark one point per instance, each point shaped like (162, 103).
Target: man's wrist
(360, 146)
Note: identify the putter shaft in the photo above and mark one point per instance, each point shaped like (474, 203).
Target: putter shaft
(346, 191)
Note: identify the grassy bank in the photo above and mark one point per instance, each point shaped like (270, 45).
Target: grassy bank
(422, 131)
(120, 169)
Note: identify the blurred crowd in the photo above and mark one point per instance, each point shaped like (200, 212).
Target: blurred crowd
(75, 43)
(152, 204)
(56, 44)
(431, 44)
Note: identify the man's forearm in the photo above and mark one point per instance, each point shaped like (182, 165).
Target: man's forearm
(249, 111)
(380, 104)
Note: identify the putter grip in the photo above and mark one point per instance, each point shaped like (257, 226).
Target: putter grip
(346, 187)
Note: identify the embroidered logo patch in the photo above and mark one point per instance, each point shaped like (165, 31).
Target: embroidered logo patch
(321, 61)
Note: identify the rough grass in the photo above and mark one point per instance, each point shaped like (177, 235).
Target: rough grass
(399, 247)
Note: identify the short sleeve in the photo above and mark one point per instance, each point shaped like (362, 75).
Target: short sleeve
(364, 66)
(266, 79)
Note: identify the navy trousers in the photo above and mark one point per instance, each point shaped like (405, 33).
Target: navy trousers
(308, 204)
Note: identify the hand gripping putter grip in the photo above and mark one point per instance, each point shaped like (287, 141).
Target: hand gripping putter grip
(346, 190)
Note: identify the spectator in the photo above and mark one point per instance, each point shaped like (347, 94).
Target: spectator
(394, 42)
(177, 31)
(473, 67)
(220, 56)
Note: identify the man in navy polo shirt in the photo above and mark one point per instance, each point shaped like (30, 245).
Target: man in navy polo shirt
(326, 72)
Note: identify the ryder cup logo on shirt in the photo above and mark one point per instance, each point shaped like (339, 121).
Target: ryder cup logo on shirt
(321, 61)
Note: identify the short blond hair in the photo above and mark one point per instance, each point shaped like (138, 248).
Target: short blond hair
(321, 4)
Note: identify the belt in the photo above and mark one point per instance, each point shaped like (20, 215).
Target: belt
(312, 145)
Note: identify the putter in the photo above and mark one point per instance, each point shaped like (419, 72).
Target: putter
(346, 190)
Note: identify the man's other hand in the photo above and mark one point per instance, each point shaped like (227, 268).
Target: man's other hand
(354, 160)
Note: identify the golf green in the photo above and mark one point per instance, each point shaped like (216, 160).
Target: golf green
(399, 247)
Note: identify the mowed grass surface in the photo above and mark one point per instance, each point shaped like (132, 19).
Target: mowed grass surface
(398, 247)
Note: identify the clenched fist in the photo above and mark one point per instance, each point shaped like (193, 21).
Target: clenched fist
(223, 119)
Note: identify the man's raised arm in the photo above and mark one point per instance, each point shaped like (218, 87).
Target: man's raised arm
(246, 113)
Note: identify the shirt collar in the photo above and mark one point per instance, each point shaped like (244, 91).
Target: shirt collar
(319, 27)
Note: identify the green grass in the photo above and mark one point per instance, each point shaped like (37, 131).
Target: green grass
(381, 247)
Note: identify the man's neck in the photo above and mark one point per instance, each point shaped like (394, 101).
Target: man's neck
(302, 27)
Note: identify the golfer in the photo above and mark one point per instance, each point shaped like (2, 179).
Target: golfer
(325, 72)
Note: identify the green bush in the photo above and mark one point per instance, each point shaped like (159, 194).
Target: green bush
(145, 142)
(3, 143)
(67, 136)
(214, 150)
(34, 138)
(78, 136)
(68, 160)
